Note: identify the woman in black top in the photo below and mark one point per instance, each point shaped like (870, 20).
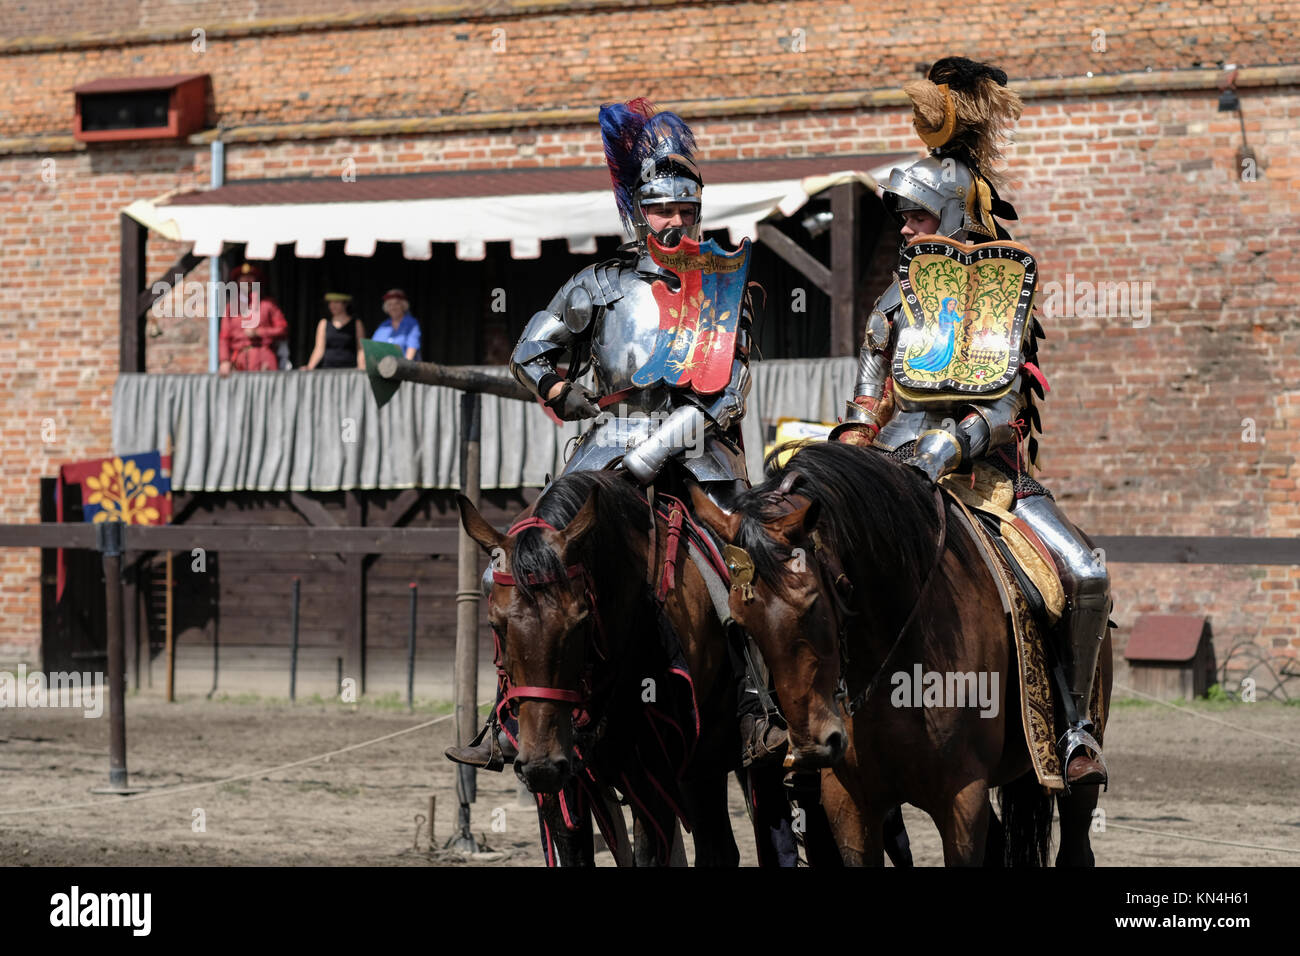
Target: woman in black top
(338, 338)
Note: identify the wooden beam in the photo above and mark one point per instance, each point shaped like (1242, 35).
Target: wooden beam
(312, 510)
(400, 508)
(184, 504)
(1142, 549)
(182, 266)
(237, 539)
(131, 275)
(845, 241)
(489, 379)
(795, 255)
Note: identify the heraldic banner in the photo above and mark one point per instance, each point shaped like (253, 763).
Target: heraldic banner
(133, 489)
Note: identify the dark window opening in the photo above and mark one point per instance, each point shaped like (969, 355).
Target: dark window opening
(146, 109)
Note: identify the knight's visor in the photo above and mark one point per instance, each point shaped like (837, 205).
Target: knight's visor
(689, 212)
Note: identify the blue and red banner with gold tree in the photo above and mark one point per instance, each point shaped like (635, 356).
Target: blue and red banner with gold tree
(133, 489)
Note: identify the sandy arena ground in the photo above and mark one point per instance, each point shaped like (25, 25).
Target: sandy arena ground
(1172, 772)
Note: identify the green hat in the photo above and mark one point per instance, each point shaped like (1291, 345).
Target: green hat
(337, 297)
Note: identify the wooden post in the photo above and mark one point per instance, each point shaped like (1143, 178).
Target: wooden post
(134, 236)
(354, 650)
(131, 617)
(845, 242)
(467, 595)
(293, 641)
(111, 545)
(168, 631)
(410, 652)
(169, 586)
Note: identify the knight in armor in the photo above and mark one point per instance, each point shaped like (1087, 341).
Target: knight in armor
(658, 396)
(962, 111)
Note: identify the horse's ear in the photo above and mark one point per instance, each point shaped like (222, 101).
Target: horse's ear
(573, 532)
(798, 523)
(487, 537)
(725, 526)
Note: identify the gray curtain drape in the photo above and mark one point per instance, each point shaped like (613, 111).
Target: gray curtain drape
(321, 430)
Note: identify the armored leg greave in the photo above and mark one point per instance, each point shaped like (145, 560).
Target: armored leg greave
(1083, 627)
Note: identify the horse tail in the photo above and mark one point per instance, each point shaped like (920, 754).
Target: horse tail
(1026, 811)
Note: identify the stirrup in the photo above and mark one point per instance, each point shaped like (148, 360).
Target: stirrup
(764, 739)
(485, 754)
(1076, 738)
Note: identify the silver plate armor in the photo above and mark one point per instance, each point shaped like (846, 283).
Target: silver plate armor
(873, 358)
(942, 187)
(621, 334)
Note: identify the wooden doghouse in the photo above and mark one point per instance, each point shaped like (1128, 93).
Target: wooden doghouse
(1171, 656)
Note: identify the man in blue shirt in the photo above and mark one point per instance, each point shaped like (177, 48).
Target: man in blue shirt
(402, 329)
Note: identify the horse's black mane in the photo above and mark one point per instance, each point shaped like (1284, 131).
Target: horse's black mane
(619, 505)
(875, 514)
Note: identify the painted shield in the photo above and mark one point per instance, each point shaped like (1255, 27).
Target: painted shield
(965, 309)
(698, 322)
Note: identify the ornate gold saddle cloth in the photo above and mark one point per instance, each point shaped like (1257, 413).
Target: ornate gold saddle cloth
(1037, 699)
(991, 494)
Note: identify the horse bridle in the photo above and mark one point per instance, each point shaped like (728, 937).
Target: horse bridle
(837, 583)
(578, 698)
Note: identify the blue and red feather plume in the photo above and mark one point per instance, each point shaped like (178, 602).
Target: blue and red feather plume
(630, 132)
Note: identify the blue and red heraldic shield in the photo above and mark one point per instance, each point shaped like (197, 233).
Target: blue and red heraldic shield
(698, 322)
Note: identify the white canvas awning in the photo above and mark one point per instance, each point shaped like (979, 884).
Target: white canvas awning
(420, 210)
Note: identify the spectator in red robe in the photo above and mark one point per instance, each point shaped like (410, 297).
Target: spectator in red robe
(252, 326)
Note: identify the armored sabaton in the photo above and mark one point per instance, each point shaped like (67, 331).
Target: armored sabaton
(607, 315)
(958, 378)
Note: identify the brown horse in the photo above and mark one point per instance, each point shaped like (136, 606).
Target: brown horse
(860, 573)
(589, 659)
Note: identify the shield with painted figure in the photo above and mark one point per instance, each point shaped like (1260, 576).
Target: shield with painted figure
(697, 322)
(965, 309)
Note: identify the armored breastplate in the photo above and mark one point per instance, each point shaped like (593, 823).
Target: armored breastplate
(624, 338)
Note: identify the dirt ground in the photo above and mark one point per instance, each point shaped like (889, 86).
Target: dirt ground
(1174, 773)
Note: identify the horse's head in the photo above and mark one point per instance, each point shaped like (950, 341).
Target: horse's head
(540, 614)
(780, 595)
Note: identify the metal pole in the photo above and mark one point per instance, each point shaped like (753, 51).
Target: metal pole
(111, 545)
(217, 153)
(410, 655)
(467, 595)
(293, 645)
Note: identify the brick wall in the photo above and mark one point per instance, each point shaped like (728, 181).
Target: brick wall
(1146, 427)
(596, 51)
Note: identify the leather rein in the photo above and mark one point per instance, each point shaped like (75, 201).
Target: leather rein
(837, 583)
